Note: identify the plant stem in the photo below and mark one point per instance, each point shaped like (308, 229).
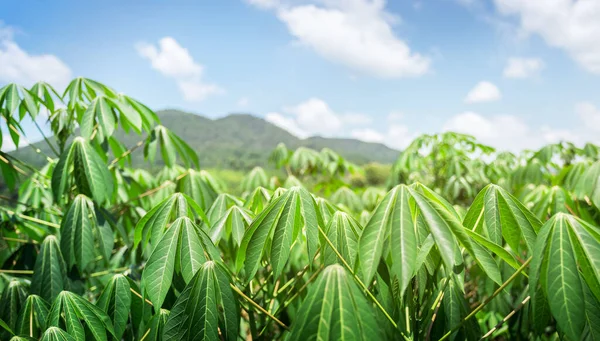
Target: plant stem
(17, 272)
(106, 272)
(145, 334)
(141, 297)
(35, 220)
(17, 240)
(506, 318)
(487, 300)
(46, 139)
(127, 152)
(239, 292)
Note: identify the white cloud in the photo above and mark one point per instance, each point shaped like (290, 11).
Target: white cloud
(501, 131)
(316, 117)
(399, 136)
(572, 25)
(523, 67)
(175, 61)
(396, 136)
(509, 132)
(243, 102)
(356, 33)
(483, 92)
(286, 123)
(17, 65)
(368, 135)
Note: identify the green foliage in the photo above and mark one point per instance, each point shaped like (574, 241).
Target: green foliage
(89, 173)
(467, 243)
(335, 309)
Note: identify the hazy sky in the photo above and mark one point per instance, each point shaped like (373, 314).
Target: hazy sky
(514, 73)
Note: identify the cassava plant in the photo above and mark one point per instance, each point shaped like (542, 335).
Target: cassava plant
(92, 249)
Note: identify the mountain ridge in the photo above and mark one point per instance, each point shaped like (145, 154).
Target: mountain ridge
(235, 141)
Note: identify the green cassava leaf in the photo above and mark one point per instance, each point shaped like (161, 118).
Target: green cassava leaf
(196, 186)
(232, 225)
(115, 301)
(284, 219)
(503, 218)
(565, 263)
(33, 316)
(56, 334)
(89, 173)
(50, 271)
(78, 231)
(343, 232)
(195, 315)
(183, 248)
(335, 309)
(152, 226)
(70, 310)
(13, 300)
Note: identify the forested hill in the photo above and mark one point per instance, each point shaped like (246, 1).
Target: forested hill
(238, 141)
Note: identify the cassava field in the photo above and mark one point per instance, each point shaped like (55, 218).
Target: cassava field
(455, 242)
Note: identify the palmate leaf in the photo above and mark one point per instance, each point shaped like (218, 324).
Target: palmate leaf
(564, 245)
(232, 224)
(13, 299)
(115, 300)
(170, 146)
(56, 334)
(196, 315)
(78, 231)
(69, 310)
(284, 219)
(196, 186)
(393, 228)
(549, 201)
(498, 215)
(280, 155)
(441, 218)
(90, 173)
(343, 232)
(103, 114)
(152, 226)
(50, 271)
(371, 197)
(222, 203)
(391, 222)
(258, 199)
(45, 94)
(33, 316)
(345, 196)
(183, 248)
(335, 309)
(257, 177)
(588, 185)
(326, 208)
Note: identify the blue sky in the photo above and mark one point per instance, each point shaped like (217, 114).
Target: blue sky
(516, 74)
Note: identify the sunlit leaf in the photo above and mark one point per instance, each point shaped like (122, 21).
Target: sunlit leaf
(335, 309)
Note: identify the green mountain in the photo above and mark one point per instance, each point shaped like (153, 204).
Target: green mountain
(237, 141)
